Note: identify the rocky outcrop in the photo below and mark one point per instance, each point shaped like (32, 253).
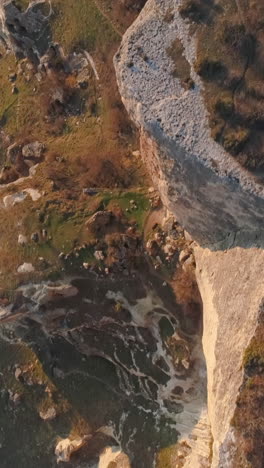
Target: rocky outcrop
(231, 311)
(211, 194)
(24, 32)
(217, 201)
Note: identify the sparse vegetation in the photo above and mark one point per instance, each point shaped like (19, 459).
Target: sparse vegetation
(228, 57)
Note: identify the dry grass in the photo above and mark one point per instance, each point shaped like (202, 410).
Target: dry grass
(185, 287)
(90, 149)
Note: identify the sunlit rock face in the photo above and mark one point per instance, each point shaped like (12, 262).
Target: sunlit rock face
(217, 201)
(211, 194)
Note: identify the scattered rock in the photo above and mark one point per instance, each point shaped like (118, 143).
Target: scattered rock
(22, 240)
(14, 89)
(18, 373)
(152, 248)
(48, 414)
(26, 268)
(14, 397)
(33, 150)
(33, 193)
(12, 77)
(11, 200)
(66, 447)
(99, 255)
(90, 191)
(35, 237)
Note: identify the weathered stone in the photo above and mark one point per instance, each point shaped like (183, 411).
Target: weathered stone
(49, 414)
(99, 255)
(33, 150)
(26, 268)
(18, 373)
(22, 240)
(206, 188)
(19, 29)
(66, 447)
(13, 153)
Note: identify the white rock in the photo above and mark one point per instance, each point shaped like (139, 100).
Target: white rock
(26, 268)
(18, 197)
(99, 255)
(33, 193)
(33, 150)
(22, 240)
(45, 292)
(11, 200)
(49, 414)
(66, 447)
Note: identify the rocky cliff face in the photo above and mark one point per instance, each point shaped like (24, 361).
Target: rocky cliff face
(212, 195)
(216, 200)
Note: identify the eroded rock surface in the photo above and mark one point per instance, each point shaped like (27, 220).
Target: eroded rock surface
(218, 202)
(24, 32)
(199, 181)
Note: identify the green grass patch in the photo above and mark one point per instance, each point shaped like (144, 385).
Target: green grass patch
(81, 24)
(123, 200)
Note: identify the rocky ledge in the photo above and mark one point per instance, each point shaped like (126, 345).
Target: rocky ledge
(211, 194)
(216, 200)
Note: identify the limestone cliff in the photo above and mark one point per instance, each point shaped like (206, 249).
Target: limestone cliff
(209, 191)
(216, 200)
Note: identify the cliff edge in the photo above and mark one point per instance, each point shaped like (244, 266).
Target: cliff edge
(215, 198)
